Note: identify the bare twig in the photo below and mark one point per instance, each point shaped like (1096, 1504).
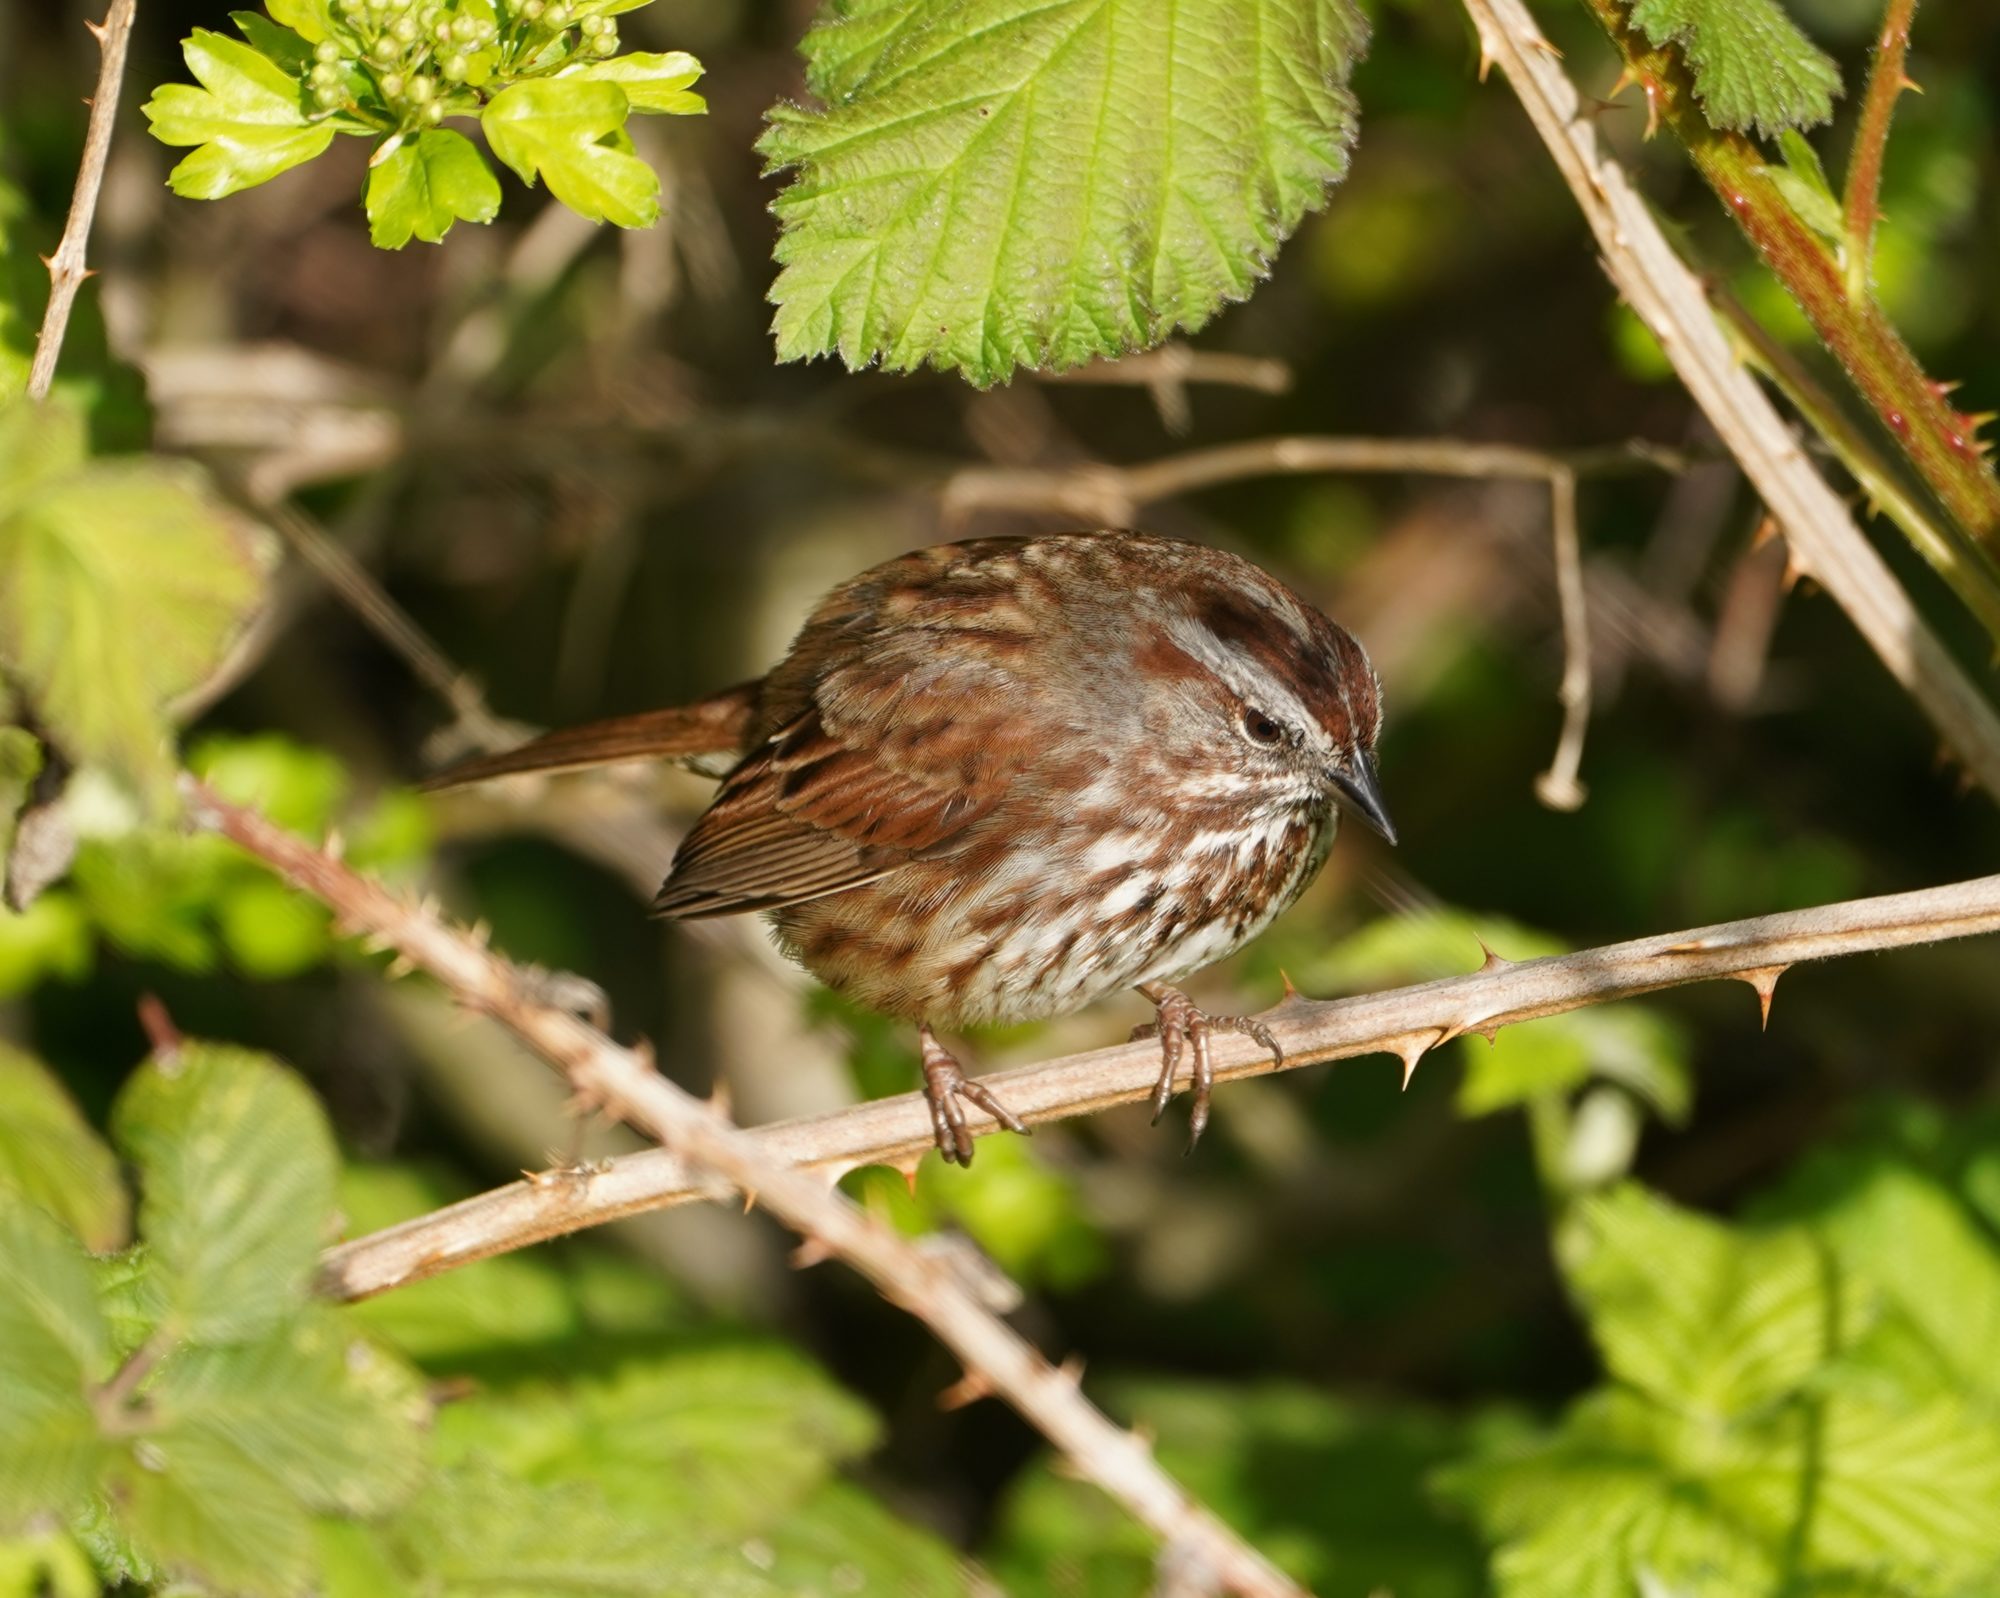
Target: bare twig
(1169, 371)
(1886, 83)
(1405, 1022)
(1660, 288)
(66, 268)
(928, 1284)
(1558, 787)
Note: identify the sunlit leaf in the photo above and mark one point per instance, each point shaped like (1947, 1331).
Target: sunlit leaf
(54, 1347)
(1752, 66)
(431, 181)
(658, 83)
(121, 585)
(1701, 1316)
(195, 1506)
(247, 119)
(566, 134)
(1003, 183)
(50, 1156)
(1802, 181)
(237, 1172)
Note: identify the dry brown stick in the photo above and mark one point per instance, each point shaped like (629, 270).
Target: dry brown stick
(1659, 287)
(1404, 1022)
(929, 1285)
(66, 268)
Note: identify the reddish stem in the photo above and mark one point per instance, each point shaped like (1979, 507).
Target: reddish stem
(1940, 443)
(1886, 83)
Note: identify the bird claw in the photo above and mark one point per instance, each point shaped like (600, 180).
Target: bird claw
(945, 1086)
(1184, 1028)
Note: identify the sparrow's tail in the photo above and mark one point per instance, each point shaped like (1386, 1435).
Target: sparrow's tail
(717, 725)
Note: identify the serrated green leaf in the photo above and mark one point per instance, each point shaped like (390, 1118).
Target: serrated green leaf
(567, 134)
(121, 586)
(1005, 183)
(657, 83)
(432, 181)
(840, 1539)
(50, 1156)
(54, 1347)
(1702, 1317)
(1752, 66)
(247, 119)
(197, 1508)
(237, 1173)
(1585, 1513)
(479, 1532)
(332, 1418)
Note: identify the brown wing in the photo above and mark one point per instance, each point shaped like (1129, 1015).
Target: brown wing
(717, 725)
(903, 747)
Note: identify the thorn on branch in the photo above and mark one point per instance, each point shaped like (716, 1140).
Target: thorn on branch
(969, 1389)
(161, 1033)
(1765, 981)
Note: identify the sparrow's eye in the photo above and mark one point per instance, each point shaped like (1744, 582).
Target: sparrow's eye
(1260, 728)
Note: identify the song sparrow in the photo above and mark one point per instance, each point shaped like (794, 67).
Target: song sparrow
(995, 780)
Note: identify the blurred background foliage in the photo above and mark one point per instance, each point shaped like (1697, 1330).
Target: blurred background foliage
(1578, 1313)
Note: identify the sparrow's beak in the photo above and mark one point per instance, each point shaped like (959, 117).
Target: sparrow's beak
(1361, 793)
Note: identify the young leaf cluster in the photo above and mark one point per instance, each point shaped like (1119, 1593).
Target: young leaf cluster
(1806, 1408)
(544, 78)
(991, 184)
(1751, 64)
(178, 1413)
(181, 1407)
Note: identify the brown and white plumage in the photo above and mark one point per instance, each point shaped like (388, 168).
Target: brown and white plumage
(998, 779)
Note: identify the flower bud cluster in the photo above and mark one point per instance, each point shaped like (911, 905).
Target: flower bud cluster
(417, 51)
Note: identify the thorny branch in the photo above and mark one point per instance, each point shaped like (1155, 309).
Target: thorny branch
(66, 268)
(1886, 83)
(623, 1082)
(1659, 287)
(1406, 1022)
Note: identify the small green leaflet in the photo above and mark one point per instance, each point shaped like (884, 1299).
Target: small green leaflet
(237, 1172)
(1005, 183)
(652, 82)
(50, 1156)
(428, 183)
(1802, 181)
(572, 134)
(246, 119)
(1752, 66)
(53, 1346)
(122, 585)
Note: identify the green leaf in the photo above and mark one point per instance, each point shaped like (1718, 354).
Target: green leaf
(1004, 183)
(431, 181)
(312, 18)
(121, 587)
(841, 1540)
(330, 1417)
(195, 1506)
(1704, 1318)
(1802, 181)
(290, 51)
(652, 82)
(237, 1172)
(247, 119)
(1752, 66)
(50, 1156)
(54, 1347)
(566, 134)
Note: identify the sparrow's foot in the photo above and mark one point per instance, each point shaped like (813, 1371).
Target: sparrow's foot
(944, 1086)
(1185, 1029)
